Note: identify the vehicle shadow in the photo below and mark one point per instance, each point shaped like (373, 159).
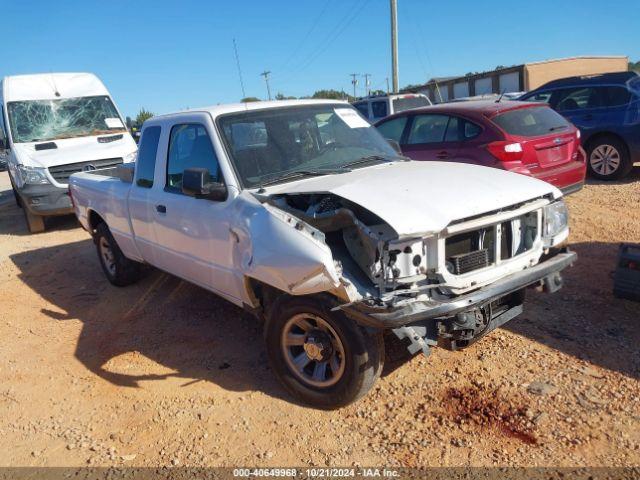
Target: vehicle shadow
(634, 176)
(583, 320)
(195, 335)
(188, 332)
(12, 220)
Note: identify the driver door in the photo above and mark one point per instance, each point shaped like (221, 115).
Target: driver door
(192, 234)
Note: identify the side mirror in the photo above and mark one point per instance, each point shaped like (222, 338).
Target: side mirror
(395, 145)
(196, 182)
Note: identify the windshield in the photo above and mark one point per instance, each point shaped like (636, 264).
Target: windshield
(265, 145)
(406, 103)
(44, 120)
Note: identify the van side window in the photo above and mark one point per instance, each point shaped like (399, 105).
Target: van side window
(379, 109)
(189, 147)
(146, 162)
(3, 132)
(363, 108)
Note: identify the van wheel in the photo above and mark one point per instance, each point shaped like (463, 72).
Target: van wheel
(608, 159)
(321, 357)
(35, 223)
(120, 271)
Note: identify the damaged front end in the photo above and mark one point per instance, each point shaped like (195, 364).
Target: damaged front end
(448, 288)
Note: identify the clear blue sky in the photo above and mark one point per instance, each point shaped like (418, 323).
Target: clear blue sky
(168, 55)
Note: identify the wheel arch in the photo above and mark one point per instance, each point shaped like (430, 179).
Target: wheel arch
(94, 219)
(592, 139)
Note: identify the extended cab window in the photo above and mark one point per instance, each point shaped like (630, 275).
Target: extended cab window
(189, 147)
(363, 108)
(146, 163)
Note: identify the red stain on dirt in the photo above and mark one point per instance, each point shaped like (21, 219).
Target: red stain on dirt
(488, 408)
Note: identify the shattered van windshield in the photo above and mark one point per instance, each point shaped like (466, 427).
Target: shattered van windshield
(43, 120)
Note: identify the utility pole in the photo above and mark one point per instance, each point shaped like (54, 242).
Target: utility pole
(394, 44)
(265, 74)
(354, 82)
(367, 83)
(387, 85)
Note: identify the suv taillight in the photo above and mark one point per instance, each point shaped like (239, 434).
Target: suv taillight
(506, 151)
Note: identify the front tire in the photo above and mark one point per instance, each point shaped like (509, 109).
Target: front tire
(119, 270)
(608, 159)
(321, 357)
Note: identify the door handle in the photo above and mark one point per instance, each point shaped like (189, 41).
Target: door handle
(161, 209)
(443, 154)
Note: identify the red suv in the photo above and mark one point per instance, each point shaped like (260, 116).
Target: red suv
(527, 138)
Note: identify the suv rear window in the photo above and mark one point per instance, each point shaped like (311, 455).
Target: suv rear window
(531, 121)
(405, 103)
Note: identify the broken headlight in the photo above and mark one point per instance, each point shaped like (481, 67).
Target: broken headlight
(555, 219)
(32, 175)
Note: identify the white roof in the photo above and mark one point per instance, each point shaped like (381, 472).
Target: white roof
(43, 86)
(217, 110)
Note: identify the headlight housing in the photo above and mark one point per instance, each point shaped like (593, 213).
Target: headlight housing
(32, 175)
(555, 219)
(130, 157)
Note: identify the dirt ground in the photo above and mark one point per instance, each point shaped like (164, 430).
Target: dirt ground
(163, 373)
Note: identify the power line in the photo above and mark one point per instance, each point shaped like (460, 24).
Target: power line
(306, 37)
(235, 49)
(265, 74)
(333, 35)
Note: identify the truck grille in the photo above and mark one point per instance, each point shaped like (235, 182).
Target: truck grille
(61, 173)
(476, 249)
(467, 262)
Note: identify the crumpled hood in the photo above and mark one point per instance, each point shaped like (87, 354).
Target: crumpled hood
(72, 150)
(418, 198)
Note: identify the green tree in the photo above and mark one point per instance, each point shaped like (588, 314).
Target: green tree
(635, 66)
(250, 99)
(281, 96)
(331, 95)
(143, 115)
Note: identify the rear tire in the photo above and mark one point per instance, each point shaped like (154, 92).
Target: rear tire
(35, 223)
(340, 360)
(608, 158)
(119, 270)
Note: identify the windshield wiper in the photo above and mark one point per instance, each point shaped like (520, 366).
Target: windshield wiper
(558, 127)
(373, 159)
(279, 177)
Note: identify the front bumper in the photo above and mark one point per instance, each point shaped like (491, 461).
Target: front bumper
(46, 199)
(409, 311)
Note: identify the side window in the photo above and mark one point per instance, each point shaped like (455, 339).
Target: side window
(428, 129)
(542, 97)
(189, 147)
(579, 99)
(471, 130)
(379, 109)
(146, 162)
(3, 131)
(363, 108)
(393, 128)
(453, 130)
(616, 96)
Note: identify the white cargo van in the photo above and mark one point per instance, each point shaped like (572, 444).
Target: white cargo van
(53, 125)
(376, 107)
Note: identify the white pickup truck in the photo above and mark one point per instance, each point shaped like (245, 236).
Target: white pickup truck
(300, 212)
